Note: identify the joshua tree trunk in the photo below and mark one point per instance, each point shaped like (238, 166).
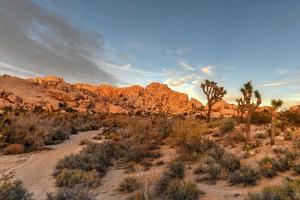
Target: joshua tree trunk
(208, 113)
(248, 127)
(273, 128)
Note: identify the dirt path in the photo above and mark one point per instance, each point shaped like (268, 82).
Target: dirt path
(36, 169)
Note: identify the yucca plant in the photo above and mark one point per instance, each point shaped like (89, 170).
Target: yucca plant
(213, 93)
(249, 105)
(276, 104)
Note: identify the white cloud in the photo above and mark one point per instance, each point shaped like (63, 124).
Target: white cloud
(6, 68)
(129, 68)
(207, 70)
(275, 84)
(185, 66)
(179, 81)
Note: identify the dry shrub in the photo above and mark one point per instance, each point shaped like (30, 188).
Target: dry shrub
(73, 177)
(182, 190)
(188, 137)
(13, 190)
(14, 149)
(129, 184)
(227, 126)
(290, 190)
(76, 193)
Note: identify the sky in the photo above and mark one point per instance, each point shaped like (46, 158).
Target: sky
(175, 42)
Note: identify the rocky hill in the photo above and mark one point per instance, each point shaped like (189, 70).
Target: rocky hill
(52, 93)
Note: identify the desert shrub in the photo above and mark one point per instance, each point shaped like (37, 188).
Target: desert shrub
(56, 137)
(162, 184)
(74, 177)
(14, 149)
(267, 167)
(261, 117)
(292, 117)
(188, 137)
(236, 137)
(230, 162)
(288, 135)
(176, 170)
(227, 126)
(73, 130)
(181, 190)
(13, 190)
(29, 130)
(244, 175)
(214, 170)
(77, 193)
(290, 190)
(129, 184)
(283, 163)
(93, 156)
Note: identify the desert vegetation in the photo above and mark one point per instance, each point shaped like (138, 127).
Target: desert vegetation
(189, 154)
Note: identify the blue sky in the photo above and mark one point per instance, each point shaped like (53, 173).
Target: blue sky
(180, 43)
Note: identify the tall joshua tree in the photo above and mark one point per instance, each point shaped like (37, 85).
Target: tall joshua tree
(213, 93)
(240, 108)
(250, 106)
(275, 105)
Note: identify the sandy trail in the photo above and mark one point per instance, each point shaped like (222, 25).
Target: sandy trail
(36, 169)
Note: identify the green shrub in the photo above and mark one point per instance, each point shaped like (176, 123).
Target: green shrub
(176, 170)
(77, 193)
(230, 162)
(283, 163)
(267, 167)
(74, 177)
(245, 175)
(13, 190)
(180, 190)
(56, 137)
(290, 190)
(261, 117)
(214, 171)
(93, 156)
(129, 184)
(73, 130)
(236, 137)
(227, 126)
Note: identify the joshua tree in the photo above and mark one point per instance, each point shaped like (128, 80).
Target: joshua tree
(213, 94)
(240, 108)
(275, 105)
(250, 106)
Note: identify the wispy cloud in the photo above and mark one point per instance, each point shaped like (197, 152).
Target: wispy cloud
(129, 68)
(275, 84)
(180, 81)
(207, 70)
(178, 52)
(185, 66)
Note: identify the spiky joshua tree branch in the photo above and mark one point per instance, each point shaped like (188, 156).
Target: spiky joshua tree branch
(213, 94)
(250, 107)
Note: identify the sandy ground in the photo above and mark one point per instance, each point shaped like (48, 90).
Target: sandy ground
(36, 169)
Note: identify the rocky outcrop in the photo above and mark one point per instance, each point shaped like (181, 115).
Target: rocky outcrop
(52, 93)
